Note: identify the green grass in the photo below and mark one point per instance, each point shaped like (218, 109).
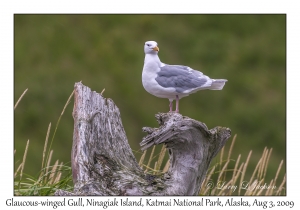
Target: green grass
(51, 177)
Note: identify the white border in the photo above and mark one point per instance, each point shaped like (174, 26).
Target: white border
(8, 8)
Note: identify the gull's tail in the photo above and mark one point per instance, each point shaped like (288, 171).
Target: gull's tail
(217, 84)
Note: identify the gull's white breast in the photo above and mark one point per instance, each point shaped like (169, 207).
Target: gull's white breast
(150, 84)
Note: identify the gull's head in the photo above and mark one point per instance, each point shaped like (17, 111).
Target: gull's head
(151, 47)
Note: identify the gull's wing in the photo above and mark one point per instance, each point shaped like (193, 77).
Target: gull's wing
(182, 78)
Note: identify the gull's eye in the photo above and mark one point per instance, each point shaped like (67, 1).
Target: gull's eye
(148, 45)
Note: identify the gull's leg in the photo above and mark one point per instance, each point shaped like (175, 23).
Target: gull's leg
(177, 104)
(171, 104)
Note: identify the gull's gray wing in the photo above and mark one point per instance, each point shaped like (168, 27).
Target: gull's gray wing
(181, 78)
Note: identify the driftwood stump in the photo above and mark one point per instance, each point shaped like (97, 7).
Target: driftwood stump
(103, 163)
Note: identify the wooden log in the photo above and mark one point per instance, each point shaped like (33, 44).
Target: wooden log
(103, 163)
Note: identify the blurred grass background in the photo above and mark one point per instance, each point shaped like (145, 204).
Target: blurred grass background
(52, 52)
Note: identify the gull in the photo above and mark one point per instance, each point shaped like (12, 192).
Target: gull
(173, 81)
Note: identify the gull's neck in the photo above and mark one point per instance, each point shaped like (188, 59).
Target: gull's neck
(151, 58)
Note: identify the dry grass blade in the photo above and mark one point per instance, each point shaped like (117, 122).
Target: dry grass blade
(231, 146)
(268, 158)
(166, 168)
(213, 192)
(281, 185)
(238, 174)
(58, 175)
(268, 192)
(207, 179)
(274, 182)
(262, 165)
(250, 186)
(20, 99)
(45, 146)
(223, 170)
(278, 170)
(20, 166)
(150, 158)
(257, 187)
(260, 191)
(60, 166)
(57, 178)
(230, 150)
(48, 164)
(102, 91)
(256, 168)
(221, 158)
(235, 166)
(53, 172)
(142, 159)
(24, 159)
(155, 168)
(161, 156)
(68, 101)
(210, 173)
(244, 169)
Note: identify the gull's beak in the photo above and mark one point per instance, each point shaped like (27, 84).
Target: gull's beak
(155, 48)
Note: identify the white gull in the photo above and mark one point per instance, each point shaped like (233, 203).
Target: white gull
(173, 81)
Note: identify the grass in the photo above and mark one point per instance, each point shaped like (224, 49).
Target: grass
(50, 177)
(221, 179)
(224, 180)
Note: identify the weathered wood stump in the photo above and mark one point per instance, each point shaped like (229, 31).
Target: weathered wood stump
(103, 163)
